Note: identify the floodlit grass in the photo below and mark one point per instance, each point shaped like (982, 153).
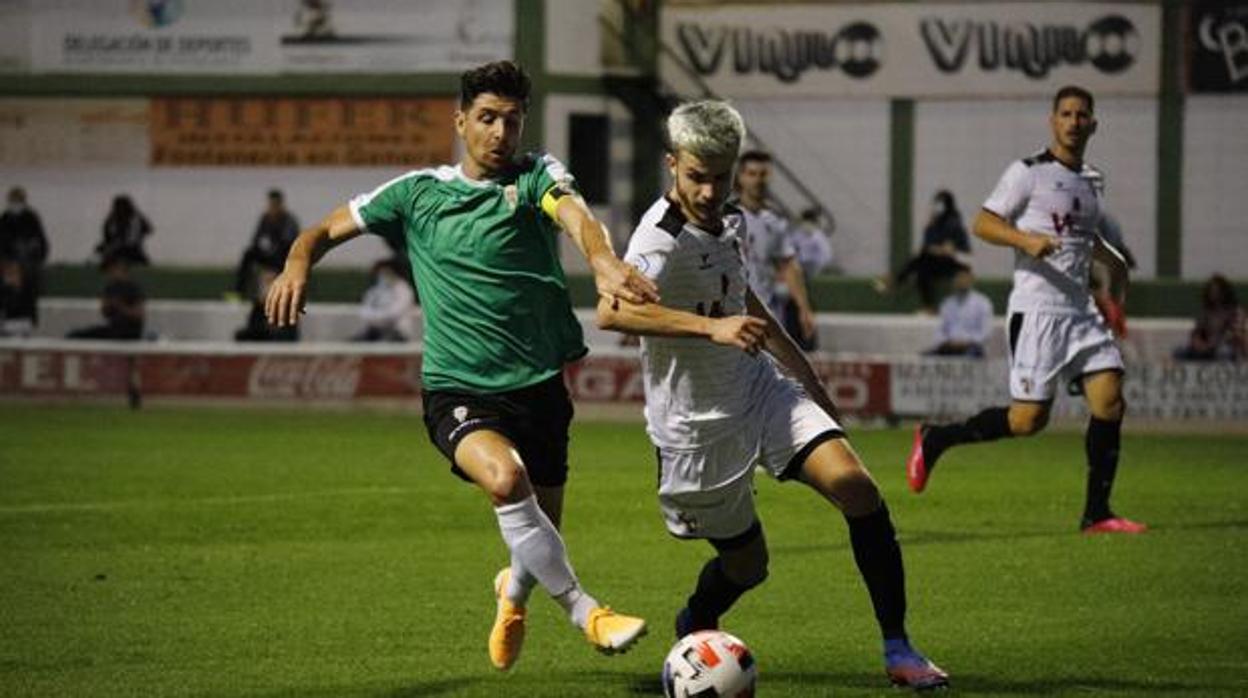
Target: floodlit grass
(211, 552)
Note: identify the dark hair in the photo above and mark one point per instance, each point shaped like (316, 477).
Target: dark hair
(503, 78)
(275, 195)
(754, 156)
(945, 197)
(123, 206)
(1221, 283)
(1074, 91)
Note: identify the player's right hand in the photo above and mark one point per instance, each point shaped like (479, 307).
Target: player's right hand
(285, 298)
(1039, 245)
(744, 332)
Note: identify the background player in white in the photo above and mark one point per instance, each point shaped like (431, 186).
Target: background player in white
(716, 408)
(1047, 207)
(771, 259)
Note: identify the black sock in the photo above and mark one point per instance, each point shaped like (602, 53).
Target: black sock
(879, 561)
(715, 594)
(989, 425)
(1101, 443)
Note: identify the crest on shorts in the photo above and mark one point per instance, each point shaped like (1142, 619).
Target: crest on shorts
(460, 414)
(512, 195)
(1026, 385)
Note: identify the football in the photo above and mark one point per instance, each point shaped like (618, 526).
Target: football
(709, 663)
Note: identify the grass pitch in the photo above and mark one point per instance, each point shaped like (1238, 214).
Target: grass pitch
(206, 552)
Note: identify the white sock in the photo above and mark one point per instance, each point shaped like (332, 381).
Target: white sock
(520, 584)
(537, 546)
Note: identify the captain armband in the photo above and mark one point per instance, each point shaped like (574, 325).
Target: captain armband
(552, 197)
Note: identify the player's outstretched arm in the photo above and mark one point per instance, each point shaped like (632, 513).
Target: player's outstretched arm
(780, 345)
(287, 294)
(995, 230)
(613, 277)
(741, 331)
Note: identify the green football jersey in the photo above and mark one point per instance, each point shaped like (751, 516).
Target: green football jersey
(485, 258)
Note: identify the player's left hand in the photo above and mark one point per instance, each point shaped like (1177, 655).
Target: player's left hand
(618, 279)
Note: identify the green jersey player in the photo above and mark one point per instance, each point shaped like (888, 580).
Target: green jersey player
(498, 328)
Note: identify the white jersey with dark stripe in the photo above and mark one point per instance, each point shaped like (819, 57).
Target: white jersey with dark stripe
(697, 392)
(1040, 194)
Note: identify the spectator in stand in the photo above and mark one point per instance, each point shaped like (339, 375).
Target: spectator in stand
(387, 306)
(125, 229)
(1220, 333)
(965, 319)
(813, 251)
(944, 238)
(258, 328)
(275, 231)
(812, 240)
(122, 303)
(17, 302)
(23, 251)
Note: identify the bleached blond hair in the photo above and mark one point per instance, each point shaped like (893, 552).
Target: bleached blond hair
(709, 129)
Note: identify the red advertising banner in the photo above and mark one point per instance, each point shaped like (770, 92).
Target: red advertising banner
(875, 387)
(859, 388)
(282, 376)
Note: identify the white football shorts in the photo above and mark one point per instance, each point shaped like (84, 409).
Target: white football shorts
(1046, 348)
(708, 492)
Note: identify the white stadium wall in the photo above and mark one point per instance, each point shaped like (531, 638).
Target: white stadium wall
(1215, 187)
(964, 146)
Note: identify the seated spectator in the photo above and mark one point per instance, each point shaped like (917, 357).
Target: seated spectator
(270, 243)
(965, 319)
(122, 303)
(387, 306)
(125, 229)
(944, 238)
(17, 301)
(24, 244)
(258, 328)
(1220, 333)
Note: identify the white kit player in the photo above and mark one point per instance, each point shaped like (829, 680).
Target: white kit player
(771, 262)
(715, 409)
(1047, 207)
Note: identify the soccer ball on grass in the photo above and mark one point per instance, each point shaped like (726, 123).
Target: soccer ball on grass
(709, 664)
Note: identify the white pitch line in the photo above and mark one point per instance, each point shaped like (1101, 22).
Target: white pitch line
(203, 501)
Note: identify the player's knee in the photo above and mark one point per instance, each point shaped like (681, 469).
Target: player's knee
(1028, 423)
(856, 493)
(508, 482)
(1112, 410)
